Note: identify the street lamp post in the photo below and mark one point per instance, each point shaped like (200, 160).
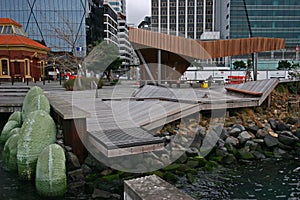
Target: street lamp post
(254, 55)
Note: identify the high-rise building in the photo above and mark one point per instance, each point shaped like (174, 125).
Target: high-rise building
(58, 24)
(125, 47)
(188, 18)
(102, 23)
(268, 18)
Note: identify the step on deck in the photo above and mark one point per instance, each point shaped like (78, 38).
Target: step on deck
(120, 142)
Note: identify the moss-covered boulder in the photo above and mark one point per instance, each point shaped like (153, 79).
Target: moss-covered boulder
(34, 100)
(9, 153)
(51, 180)
(38, 132)
(16, 116)
(9, 126)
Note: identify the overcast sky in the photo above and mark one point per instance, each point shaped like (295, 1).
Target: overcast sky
(137, 10)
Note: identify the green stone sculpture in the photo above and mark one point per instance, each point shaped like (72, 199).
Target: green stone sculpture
(35, 100)
(9, 153)
(51, 180)
(9, 126)
(16, 116)
(38, 131)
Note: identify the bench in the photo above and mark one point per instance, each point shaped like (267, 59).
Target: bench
(236, 79)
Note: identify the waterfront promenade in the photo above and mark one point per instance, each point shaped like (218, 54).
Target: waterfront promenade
(122, 120)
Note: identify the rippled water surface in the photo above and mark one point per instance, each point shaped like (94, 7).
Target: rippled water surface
(11, 188)
(269, 179)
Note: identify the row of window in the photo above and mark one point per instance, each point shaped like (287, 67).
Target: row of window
(182, 12)
(5, 67)
(181, 3)
(181, 20)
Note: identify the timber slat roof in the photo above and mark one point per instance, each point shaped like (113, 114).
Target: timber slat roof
(141, 38)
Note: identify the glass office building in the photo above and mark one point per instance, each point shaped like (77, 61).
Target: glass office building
(60, 24)
(268, 18)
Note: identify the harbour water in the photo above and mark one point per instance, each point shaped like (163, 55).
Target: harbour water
(268, 179)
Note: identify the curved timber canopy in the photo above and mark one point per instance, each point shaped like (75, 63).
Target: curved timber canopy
(203, 49)
(178, 52)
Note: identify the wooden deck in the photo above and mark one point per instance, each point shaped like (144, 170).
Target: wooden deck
(121, 120)
(11, 98)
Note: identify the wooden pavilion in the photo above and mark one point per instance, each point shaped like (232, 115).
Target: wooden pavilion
(169, 52)
(20, 57)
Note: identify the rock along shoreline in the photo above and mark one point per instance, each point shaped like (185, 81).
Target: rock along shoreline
(247, 135)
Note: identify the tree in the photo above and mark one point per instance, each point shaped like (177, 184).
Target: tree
(238, 65)
(284, 65)
(241, 65)
(103, 59)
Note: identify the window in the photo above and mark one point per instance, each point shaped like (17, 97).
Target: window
(27, 67)
(7, 30)
(4, 67)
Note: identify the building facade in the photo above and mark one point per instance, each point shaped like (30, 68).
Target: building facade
(188, 18)
(102, 23)
(20, 57)
(125, 47)
(268, 18)
(59, 24)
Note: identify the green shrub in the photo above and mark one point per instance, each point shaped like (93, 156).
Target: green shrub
(81, 84)
(51, 180)
(69, 84)
(100, 83)
(38, 131)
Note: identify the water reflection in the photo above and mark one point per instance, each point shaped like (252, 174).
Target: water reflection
(12, 188)
(269, 179)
